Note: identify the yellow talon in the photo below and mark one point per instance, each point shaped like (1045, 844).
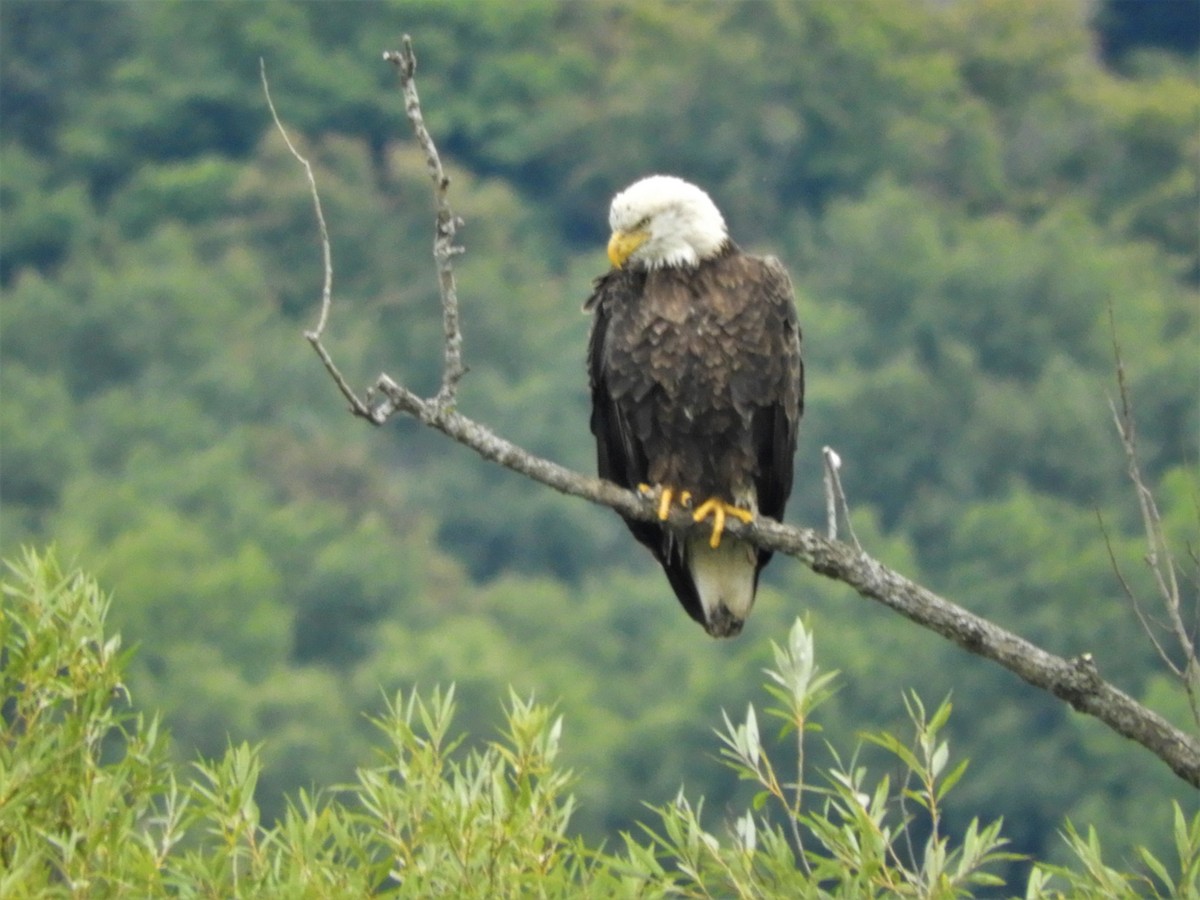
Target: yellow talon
(664, 504)
(665, 497)
(718, 509)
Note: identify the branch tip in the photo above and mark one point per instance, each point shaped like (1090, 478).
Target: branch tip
(404, 59)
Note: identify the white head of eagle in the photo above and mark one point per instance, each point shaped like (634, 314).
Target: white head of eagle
(664, 221)
(697, 389)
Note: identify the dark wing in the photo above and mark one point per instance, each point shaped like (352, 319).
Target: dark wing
(619, 458)
(772, 383)
(619, 454)
(776, 423)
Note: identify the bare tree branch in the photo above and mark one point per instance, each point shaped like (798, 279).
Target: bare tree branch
(444, 249)
(1159, 558)
(314, 337)
(835, 497)
(1077, 680)
(1147, 625)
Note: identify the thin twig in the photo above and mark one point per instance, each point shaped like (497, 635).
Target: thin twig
(326, 252)
(1159, 558)
(444, 248)
(832, 461)
(314, 336)
(1147, 625)
(1077, 681)
(835, 497)
(798, 800)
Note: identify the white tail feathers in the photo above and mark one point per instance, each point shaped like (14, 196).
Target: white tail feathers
(724, 579)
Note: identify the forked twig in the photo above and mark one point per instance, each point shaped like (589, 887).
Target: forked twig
(1159, 558)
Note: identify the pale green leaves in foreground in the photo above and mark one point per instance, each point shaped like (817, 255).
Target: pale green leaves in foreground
(90, 806)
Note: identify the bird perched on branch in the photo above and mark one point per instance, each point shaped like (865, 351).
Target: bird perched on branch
(697, 388)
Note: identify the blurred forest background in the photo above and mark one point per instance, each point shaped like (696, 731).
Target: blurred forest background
(961, 190)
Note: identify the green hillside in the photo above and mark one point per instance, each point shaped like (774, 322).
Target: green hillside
(963, 192)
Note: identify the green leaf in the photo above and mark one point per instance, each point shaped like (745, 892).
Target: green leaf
(951, 779)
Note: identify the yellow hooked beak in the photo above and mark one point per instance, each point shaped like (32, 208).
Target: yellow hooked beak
(623, 243)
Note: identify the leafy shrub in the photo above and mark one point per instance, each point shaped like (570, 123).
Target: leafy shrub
(90, 807)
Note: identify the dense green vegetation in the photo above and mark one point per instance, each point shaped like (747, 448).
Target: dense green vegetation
(962, 191)
(93, 807)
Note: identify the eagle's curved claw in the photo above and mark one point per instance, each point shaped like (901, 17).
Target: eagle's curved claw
(719, 509)
(665, 496)
(664, 503)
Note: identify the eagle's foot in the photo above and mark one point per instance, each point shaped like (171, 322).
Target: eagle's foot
(665, 496)
(719, 509)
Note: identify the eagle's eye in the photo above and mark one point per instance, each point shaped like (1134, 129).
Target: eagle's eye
(642, 224)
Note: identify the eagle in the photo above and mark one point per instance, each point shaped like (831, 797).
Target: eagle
(697, 388)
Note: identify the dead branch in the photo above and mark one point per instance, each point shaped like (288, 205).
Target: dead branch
(835, 498)
(1077, 680)
(358, 407)
(444, 249)
(1159, 558)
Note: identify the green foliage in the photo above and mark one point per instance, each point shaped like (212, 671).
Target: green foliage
(1095, 878)
(80, 771)
(91, 806)
(962, 192)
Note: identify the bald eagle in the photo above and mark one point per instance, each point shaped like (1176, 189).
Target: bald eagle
(697, 388)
